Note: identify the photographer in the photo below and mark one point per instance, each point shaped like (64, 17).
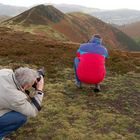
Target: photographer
(15, 104)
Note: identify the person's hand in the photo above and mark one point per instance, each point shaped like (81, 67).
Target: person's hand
(40, 84)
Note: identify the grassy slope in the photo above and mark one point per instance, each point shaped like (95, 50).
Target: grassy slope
(42, 31)
(70, 113)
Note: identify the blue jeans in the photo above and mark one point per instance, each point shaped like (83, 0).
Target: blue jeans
(10, 122)
(76, 63)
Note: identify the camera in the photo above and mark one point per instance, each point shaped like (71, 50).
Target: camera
(41, 72)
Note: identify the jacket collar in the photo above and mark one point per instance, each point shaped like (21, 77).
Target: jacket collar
(96, 40)
(16, 83)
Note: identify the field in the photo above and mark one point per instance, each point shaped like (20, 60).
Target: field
(76, 114)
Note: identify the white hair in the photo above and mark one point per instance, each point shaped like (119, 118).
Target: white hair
(25, 75)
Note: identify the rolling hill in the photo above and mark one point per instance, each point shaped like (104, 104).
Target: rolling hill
(77, 27)
(118, 17)
(133, 30)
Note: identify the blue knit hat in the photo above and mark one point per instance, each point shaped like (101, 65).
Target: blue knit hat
(96, 39)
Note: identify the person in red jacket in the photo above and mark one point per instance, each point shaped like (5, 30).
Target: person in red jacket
(89, 65)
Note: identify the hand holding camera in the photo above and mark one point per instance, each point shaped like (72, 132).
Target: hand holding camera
(40, 83)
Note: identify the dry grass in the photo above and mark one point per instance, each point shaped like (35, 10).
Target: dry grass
(70, 113)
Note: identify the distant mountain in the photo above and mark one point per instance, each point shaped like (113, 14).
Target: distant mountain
(77, 27)
(119, 17)
(9, 10)
(68, 8)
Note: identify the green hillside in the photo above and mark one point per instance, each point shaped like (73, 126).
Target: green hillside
(76, 114)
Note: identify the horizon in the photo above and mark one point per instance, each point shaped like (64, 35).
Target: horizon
(132, 5)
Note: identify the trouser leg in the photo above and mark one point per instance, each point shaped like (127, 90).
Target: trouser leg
(10, 122)
(76, 63)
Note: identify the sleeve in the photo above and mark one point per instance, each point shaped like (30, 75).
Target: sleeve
(37, 99)
(19, 102)
(106, 53)
(78, 53)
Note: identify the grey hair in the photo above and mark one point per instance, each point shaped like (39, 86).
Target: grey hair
(25, 75)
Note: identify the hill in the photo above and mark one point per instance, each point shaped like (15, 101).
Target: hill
(77, 27)
(39, 15)
(119, 17)
(132, 30)
(70, 113)
(113, 37)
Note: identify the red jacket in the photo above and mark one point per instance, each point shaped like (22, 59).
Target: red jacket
(91, 68)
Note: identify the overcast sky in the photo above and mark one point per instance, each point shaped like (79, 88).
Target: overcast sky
(101, 4)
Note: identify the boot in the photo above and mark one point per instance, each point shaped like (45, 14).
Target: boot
(97, 88)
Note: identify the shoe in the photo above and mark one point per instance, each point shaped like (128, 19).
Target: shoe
(97, 88)
(78, 84)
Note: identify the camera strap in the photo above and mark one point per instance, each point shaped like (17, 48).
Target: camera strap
(36, 104)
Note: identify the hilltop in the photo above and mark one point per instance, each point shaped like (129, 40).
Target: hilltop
(77, 27)
(70, 113)
(39, 15)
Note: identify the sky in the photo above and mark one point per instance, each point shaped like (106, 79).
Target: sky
(101, 4)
